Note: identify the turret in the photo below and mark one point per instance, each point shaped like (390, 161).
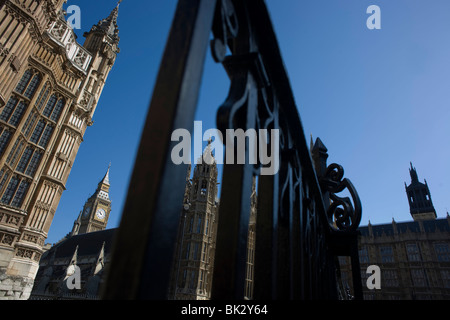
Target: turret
(97, 208)
(102, 41)
(419, 198)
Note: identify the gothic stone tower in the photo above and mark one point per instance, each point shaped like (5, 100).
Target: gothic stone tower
(96, 210)
(419, 198)
(49, 89)
(194, 260)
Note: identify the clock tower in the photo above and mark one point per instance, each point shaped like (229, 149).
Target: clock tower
(95, 213)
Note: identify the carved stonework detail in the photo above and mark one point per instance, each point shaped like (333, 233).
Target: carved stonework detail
(7, 239)
(15, 62)
(30, 238)
(24, 253)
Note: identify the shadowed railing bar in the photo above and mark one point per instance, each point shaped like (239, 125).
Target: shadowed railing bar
(145, 241)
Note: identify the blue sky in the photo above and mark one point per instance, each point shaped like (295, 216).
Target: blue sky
(378, 99)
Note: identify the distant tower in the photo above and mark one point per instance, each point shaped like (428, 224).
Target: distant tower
(194, 260)
(419, 198)
(96, 210)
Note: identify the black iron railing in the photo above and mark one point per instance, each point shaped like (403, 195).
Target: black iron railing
(302, 226)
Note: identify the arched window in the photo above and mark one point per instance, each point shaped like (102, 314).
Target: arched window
(9, 108)
(25, 159)
(199, 225)
(50, 105)
(29, 83)
(10, 190)
(43, 95)
(58, 110)
(34, 163)
(46, 136)
(18, 114)
(4, 140)
(23, 83)
(37, 131)
(32, 87)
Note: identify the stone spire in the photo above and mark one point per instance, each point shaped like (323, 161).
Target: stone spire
(105, 179)
(109, 25)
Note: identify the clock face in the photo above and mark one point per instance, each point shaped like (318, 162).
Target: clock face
(101, 214)
(86, 211)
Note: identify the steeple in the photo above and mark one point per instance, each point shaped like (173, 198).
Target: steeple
(106, 31)
(413, 174)
(419, 198)
(97, 208)
(109, 25)
(105, 179)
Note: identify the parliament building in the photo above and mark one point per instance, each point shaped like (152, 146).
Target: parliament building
(50, 86)
(413, 256)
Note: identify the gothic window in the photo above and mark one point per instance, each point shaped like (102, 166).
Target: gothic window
(191, 224)
(199, 225)
(23, 163)
(37, 131)
(58, 110)
(390, 278)
(418, 278)
(46, 136)
(4, 179)
(412, 251)
(49, 106)
(23, 83)
(387, 254)
(442, 251)
(27, 123)
(18, 114)
(27, 129)
(32, 87)
(20, 194)
(363, 255)
(195, 251)
(43, 95)
(8, 109)
(10, 190)
(34, 164)
(4, 139)
(15, 152)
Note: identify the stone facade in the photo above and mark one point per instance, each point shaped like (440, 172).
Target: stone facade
(49, 89)
(413, 256)
(194, 254)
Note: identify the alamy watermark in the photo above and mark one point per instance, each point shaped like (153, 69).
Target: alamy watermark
(235, 147)
(374, 21)
(74, 16)
(374, 280)
(73, 280)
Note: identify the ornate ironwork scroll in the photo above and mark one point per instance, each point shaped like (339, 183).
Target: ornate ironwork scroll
(294, 258)
(341, 213)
